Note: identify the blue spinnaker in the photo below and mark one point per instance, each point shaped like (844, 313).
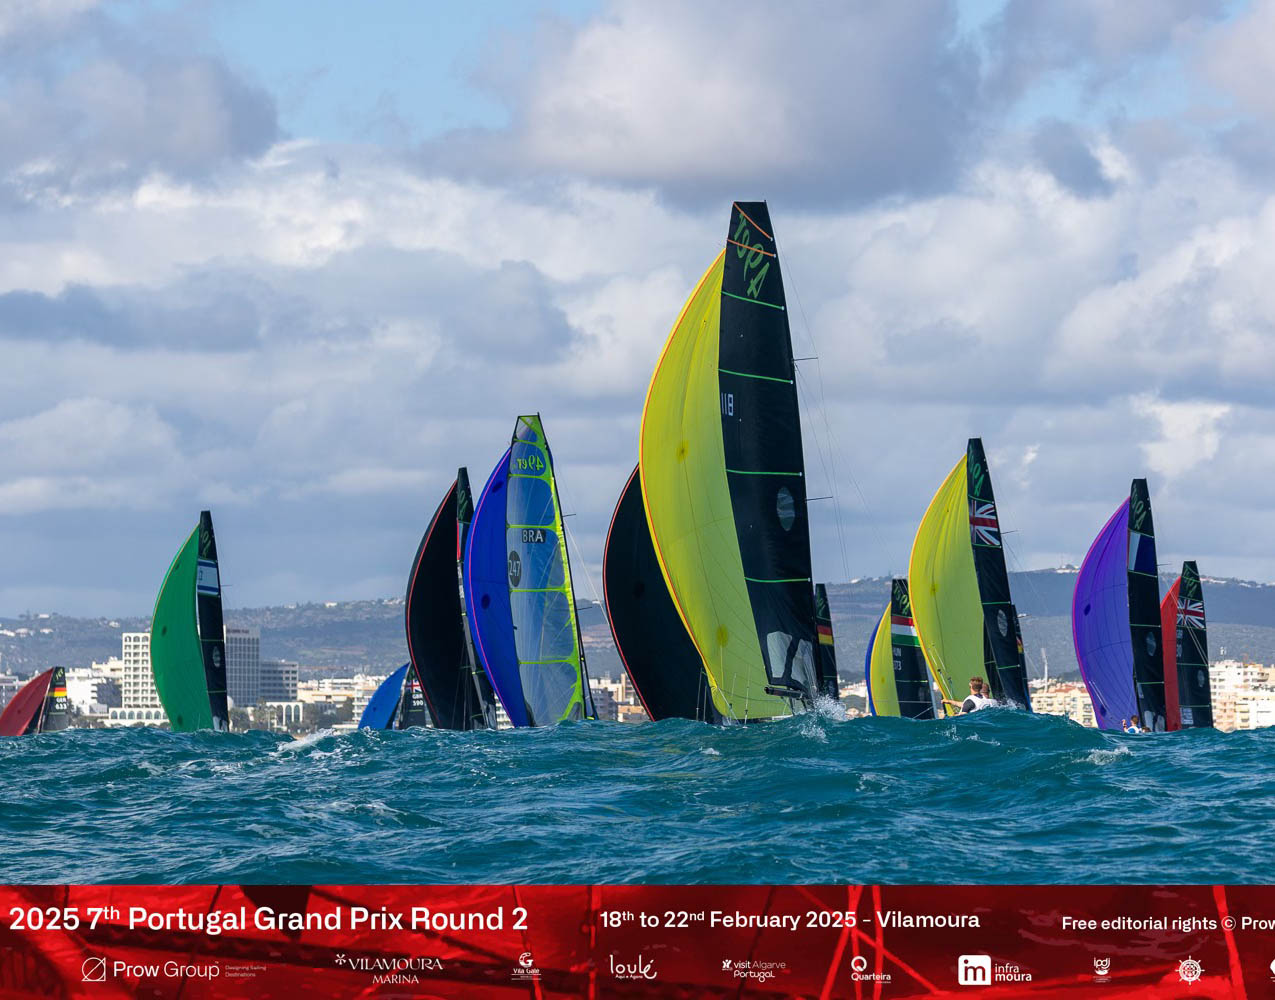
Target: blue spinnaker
(1100, 623)
(486, 573)
(379, 713)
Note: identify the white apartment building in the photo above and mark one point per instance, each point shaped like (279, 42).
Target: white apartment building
(92, 690)
(139, 700)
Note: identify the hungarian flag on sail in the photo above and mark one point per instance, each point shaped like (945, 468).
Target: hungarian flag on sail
(984, 528)
(903, 631)
(1191, 613)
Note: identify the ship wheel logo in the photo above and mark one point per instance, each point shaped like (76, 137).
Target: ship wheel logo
(1190, 970)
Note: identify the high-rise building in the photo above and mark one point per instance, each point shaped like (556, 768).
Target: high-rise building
(278, 680)
(139, 700)
(243, 665)
(139, 683)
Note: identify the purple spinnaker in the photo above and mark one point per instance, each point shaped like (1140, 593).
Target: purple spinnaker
(1100, 623)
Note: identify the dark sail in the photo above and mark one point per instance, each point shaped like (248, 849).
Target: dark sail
(911, 677)
(826, 658)
(212, 631)
(1144, 611)
(411, 705)
(765, 468)
(54, 717)
(1002, 651)
(484, 715)
(1194, 695)
(666, 669)
(436, 640)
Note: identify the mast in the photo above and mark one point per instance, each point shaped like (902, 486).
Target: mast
(826, 661)
(212, 630)
(1144, 610)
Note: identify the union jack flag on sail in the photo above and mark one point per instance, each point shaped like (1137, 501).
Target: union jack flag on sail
(984, 528)
(1191, 613)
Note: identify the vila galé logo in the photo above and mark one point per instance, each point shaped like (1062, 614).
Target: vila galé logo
(638, 968)
(391, 970)
(754, 969)
(526, 968)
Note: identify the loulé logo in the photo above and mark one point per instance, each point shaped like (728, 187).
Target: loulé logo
(640, 968)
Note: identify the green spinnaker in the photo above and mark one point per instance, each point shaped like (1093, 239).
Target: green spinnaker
(177, 659)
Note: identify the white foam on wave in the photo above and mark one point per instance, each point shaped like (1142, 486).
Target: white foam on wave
(1101, 757)
(308, 740)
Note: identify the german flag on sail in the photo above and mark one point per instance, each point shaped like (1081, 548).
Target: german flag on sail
(903, 631)
(58, 692)
(825, 635)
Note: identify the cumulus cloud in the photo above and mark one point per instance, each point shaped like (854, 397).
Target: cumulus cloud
(312, 340)
(817, 102)
(86, 104)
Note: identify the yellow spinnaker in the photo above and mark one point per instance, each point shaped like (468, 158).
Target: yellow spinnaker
(946, 605)
(881, 686)
(688, 507)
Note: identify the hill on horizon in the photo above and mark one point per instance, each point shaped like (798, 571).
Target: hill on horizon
(349, 636)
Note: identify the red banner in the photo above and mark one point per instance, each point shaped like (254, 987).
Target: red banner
(636, 941)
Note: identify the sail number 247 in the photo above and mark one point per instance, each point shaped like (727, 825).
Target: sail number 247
(752, 255)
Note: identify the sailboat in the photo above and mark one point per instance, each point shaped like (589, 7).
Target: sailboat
(517, 579)
(898, 681)
(395, 704)
(959, 588)
(38, 707)
(723, 486)
(652, 642)
(1115, 618)
(188, 647)
(456, 691)
(1188, 697)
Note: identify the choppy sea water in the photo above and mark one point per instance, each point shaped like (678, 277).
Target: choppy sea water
(996, 797)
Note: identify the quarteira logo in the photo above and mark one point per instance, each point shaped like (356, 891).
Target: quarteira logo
(93, 970)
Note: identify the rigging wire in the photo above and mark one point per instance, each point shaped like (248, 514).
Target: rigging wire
(828, 461)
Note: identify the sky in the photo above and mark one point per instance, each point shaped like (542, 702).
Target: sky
(297, 268)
